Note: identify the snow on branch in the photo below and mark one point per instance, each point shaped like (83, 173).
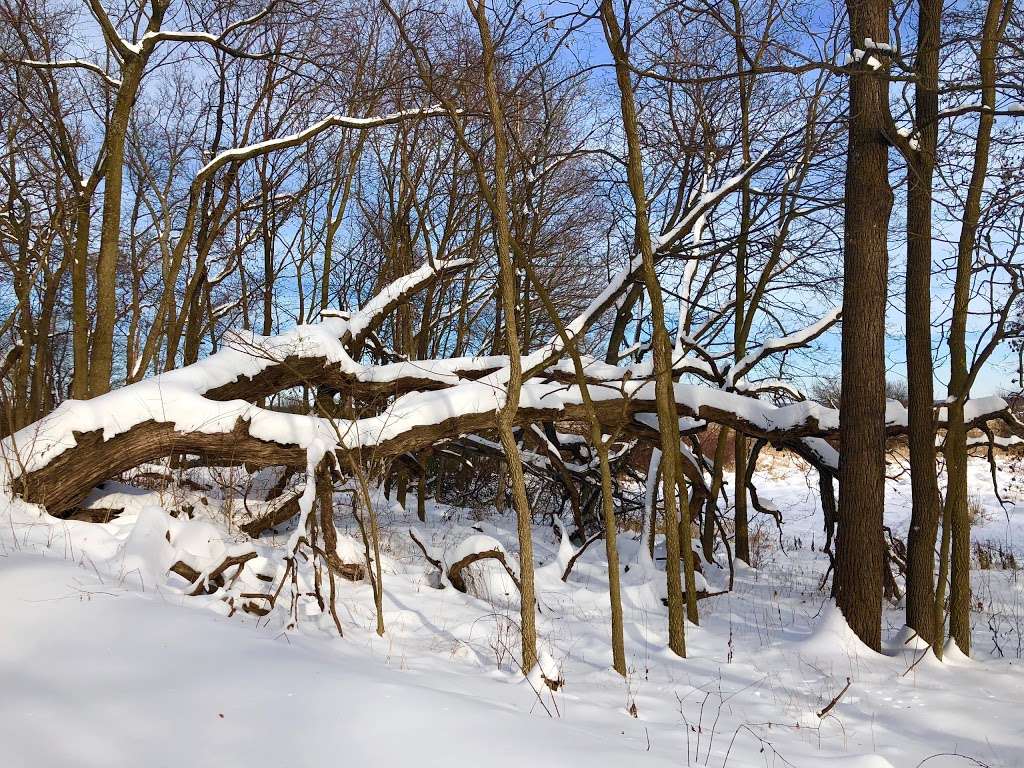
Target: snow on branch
(240, 154)
(794, 340)
(380, 306)
(663, 246)
(72, 64)
(472, 550)
(150, 39)
(57, 461)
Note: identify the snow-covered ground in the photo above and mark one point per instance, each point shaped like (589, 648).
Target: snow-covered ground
(104, 661)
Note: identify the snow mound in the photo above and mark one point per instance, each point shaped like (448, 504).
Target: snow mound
(833, 637)
(906, 639)
(546, 669)
(486, 579)
(951, 654)
(147, 553)
(474, 545)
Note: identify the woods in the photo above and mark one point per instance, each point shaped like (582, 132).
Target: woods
(586, 263)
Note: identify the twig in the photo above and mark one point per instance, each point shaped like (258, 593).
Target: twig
(835, 701)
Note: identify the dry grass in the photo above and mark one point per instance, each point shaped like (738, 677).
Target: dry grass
(977, 514)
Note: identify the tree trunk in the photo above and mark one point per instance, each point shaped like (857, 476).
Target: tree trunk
(859, 541)
(924, 516)
(421, 490)
(959, 375)
(668, 422)
(686, 550)
(80, 299)
(739, 493)
(507, 285)
(101, 361)
(707, 535)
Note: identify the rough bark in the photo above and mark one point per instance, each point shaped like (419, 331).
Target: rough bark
(739, 491)
(63, 481)
(101, 358)
(924, 517)
(868, 204)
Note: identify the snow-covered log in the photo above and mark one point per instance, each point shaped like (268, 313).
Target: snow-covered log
(59, 460)
(207, 409)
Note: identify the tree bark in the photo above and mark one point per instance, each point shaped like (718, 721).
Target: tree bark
(868, 204)
(924, 516)
(739, 492)
(507, 285)
(959, 375)
(668, 422)
(101, 361)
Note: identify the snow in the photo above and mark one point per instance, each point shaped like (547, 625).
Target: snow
(102, 646)
(360, 321)
(832, 635)
(176, 397)
(472, 546)
(135, 679)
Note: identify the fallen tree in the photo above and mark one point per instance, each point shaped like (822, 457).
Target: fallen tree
(198, 410)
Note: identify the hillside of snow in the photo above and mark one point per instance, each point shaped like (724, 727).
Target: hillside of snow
(106, 661)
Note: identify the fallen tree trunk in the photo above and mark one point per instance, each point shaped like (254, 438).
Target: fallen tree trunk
(206, 409)
(60, 482)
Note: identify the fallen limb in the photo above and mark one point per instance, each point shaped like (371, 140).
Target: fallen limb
(455, 570)
(61, 480)
(835, 700)
(212, 581)
(436, 563)
(347, 571)
(282, 512)
(579, 552)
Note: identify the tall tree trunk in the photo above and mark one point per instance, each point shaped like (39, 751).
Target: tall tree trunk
(601, 446)
(959, 376)
(868, 204)
(507, 285)
(668, 420)
(80, 300)
(101, 362)
(924, 516)
(741, 323)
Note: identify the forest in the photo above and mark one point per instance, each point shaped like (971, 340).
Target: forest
(586, 380)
